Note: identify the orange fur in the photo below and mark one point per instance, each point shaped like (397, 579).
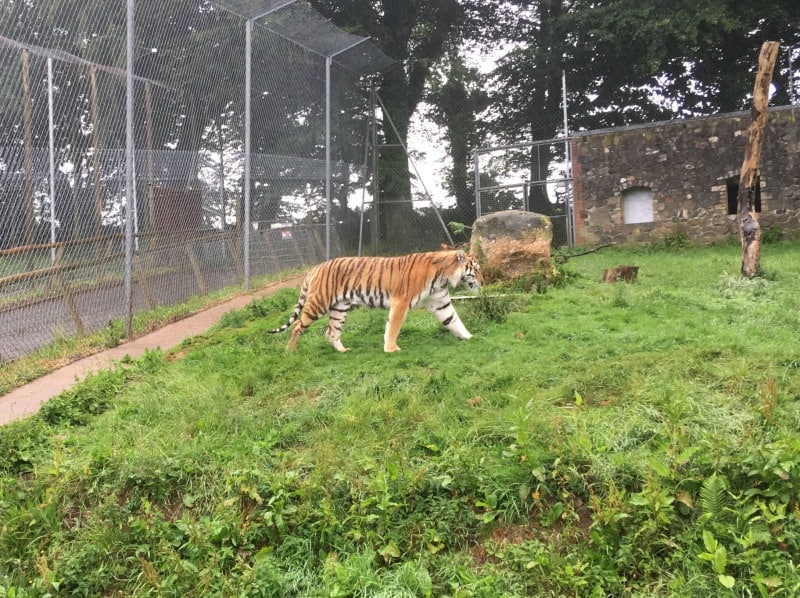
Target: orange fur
(396, 283)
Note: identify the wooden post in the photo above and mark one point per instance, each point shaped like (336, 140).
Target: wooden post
(27, 152)
(749, 229)
(151, 211)
(144, 285)
(198, 271)
(235, 251)
(97, 186)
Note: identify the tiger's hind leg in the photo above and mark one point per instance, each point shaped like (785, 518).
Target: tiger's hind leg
(300, 326)
(338, 314)
(397, 315)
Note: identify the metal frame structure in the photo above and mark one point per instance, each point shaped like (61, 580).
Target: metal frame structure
(330, 42)
(371, 145)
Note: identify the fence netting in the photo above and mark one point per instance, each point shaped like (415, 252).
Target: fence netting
(64, 202)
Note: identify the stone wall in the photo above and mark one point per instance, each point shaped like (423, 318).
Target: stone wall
(687, 165)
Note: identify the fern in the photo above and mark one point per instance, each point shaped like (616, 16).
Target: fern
(715, 498)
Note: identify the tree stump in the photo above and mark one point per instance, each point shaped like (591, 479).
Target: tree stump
(620, 273)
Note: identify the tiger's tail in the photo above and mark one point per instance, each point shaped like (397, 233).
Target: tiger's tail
(301, 301)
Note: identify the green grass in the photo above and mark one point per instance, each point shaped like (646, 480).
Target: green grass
(591, 440)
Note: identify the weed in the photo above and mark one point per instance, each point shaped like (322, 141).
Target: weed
(489, 307)
(771, 234)
(114, 333)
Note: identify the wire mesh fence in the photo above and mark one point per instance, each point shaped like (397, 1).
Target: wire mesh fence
(248, 132)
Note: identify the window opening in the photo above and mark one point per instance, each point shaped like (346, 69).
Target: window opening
(732, 186)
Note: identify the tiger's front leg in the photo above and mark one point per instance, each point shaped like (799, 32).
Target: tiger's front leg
(446, 314)
(397, 315)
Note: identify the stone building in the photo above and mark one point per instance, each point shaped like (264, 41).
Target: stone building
(647, 182)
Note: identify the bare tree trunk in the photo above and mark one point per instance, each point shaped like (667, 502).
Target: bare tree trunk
(749, 229)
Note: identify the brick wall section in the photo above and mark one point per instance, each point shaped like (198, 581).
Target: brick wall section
(686, 165)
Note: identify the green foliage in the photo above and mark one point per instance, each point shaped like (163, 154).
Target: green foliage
(582, 443)
(771, 234)
(458, 228)
(489, 307)
(677, 239)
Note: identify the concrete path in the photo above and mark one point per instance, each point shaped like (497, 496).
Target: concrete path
(27, 399)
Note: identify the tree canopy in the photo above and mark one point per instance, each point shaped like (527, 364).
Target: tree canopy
(628, 61)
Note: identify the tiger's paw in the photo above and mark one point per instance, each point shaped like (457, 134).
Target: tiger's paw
(391, 349)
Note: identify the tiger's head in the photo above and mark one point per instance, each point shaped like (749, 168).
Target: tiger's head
(471, 276)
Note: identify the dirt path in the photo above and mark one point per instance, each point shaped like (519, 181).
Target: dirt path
(27, 399)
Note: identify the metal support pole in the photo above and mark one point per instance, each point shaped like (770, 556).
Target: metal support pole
(221, 174)
(791, 76)
(375, 229)
(364, 172)
(525, 203)
(52, 146)
(135, 209)
(567, 164)
(328, 198)
(477, 183)
(129, 148)
(328, 185)
(247, 115)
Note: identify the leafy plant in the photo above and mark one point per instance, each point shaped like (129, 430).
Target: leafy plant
(571, 447)
(717, 555)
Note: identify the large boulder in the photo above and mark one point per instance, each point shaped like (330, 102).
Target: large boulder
(511, 243)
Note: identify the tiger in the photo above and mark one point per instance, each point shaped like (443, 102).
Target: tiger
(397, 283)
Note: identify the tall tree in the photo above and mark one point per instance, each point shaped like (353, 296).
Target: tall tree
(457, 97)
(628, 61)
(416, 34)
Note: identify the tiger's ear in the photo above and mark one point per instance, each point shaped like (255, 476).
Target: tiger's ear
(461, 257)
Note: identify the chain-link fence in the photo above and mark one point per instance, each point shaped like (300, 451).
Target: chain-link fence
(247, 124)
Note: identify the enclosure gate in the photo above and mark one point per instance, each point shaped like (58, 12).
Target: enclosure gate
(534, 177)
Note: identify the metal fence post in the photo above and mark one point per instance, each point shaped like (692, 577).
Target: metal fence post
(477, 183)
(568, 166)
(52, 163)
(248, 67)
(328, 200)
(129, 157)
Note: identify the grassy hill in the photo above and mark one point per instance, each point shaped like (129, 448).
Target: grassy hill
(590, 440)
